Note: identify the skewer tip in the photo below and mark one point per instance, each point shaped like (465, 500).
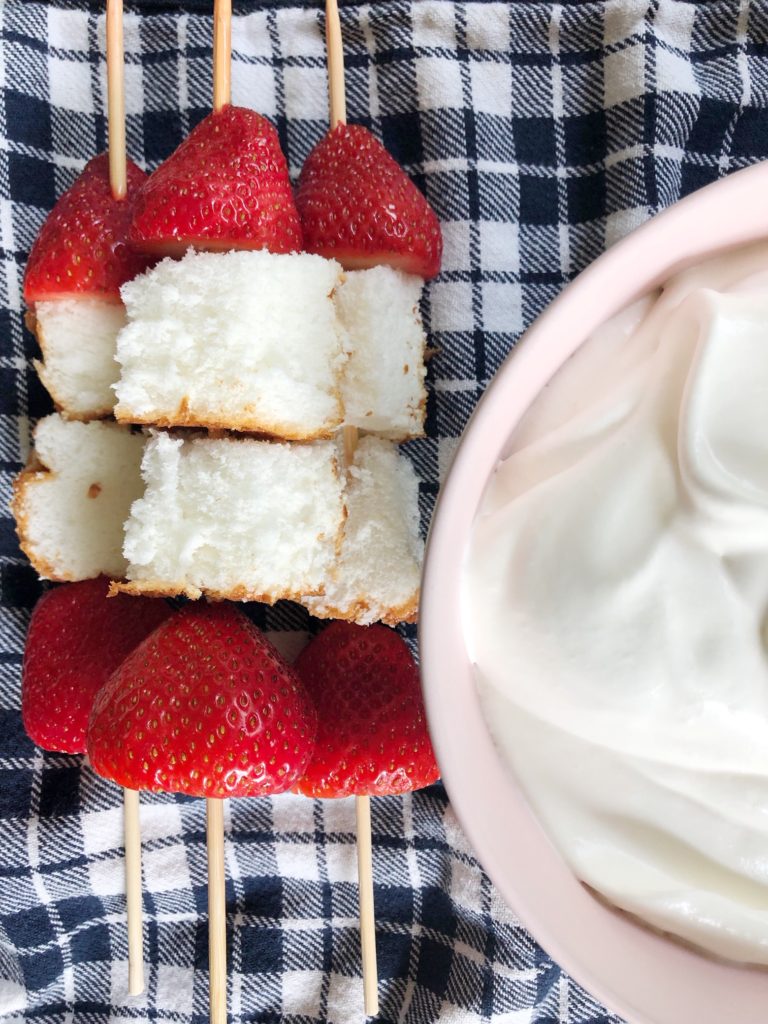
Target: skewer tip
(222, 53)
(118, 174)
(336, 93)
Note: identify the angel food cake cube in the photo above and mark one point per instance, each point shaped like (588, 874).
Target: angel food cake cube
(235, 518)
(377, 575)
(383, 390)
(244, 341)
(77, 338)
(70, 503)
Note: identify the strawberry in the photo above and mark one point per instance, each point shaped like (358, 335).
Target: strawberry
(205, 706)
(82, 246)
(372, 733)
(225, 187)
(358, 205)
(77, 638)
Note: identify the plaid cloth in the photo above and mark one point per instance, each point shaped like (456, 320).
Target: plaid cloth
(541, 133)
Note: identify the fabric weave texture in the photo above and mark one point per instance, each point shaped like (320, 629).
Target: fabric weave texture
(541, 134)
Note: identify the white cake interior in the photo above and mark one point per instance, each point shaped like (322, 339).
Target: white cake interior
(236, 518)
(244, 340)
(70, 511)
(383, 389)
(376, 577)
(78, 339)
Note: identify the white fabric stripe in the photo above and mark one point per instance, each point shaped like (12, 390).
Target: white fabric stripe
(38, 881)
(181, 30)
(373, 81)
(563, 1001)
(743, 61)
(12, 279)
(558, 114)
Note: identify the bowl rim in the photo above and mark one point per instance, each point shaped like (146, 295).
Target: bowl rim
(637, 973)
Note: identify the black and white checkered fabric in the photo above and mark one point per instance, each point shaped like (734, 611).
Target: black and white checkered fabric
(541, 133)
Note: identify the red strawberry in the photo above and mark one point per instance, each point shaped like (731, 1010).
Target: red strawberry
(358, 205)
(372, 733)
(77, 638)
(82, 246)
(225, 187)
(205, 706)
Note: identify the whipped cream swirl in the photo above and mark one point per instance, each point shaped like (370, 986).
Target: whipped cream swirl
(616, 607)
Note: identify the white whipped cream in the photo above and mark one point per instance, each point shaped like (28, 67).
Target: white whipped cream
(616, 607)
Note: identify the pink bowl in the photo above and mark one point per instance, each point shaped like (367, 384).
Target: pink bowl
(643, 976)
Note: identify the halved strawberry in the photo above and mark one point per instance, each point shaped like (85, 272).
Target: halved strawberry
(359, 206)
(82, 247)
(205, 706)
(77, 638)
(225, 187)
(372, 735)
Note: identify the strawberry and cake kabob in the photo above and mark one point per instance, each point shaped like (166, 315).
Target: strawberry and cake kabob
(76, 269)
(358, 206)
(189, 173)
(78, 262)
(225, 188)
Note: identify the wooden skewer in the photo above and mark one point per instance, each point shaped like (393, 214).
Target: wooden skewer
(365, 853)
(222, 53)
(217, 912)
(338, 112)
(367, 917)
(133, 891)
(336, 93)
(118, 181)
(217, 896)
(116, 99)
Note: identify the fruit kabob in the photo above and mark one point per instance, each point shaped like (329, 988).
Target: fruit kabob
(232, 157)
(231, 162)
(81, 258)
(357, 205)
(78, 262)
